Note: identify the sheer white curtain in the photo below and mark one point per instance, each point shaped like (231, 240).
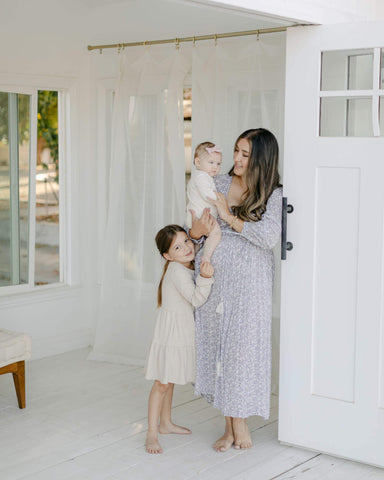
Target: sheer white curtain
(147, 191)
(236, 85)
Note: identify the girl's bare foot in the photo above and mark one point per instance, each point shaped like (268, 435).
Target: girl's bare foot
(152, 445)
(241, 432)
(224, 443)
(172, 428)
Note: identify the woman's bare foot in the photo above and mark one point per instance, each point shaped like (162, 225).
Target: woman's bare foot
(172, 428)
(224, 443)
(241, 432)
(152, 445)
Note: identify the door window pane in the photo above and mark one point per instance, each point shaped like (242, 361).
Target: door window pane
(347, 70)
(346, 117)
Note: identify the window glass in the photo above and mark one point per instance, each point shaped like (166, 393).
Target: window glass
(347, 70)
(24, 158)
(47, 254)
(382, 69)
(382, 116)
(5, 195)
(14, 187)
(346, 117)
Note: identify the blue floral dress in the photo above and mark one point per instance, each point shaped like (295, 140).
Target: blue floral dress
(233, 328)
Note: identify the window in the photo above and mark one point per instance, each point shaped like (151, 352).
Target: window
(47, 253)
(351, 93)
(29, 188)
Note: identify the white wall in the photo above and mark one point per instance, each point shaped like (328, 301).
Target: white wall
(37, 52)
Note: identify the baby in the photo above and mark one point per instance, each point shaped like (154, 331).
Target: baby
(201, 188)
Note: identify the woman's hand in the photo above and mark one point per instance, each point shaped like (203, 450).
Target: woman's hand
(222, 206)
(206, 269)
(201, 226)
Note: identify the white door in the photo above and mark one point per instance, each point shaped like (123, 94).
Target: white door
(332, 311)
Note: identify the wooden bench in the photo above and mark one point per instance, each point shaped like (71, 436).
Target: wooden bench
(15, 348)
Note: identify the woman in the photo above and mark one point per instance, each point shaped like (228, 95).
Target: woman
(233, 328)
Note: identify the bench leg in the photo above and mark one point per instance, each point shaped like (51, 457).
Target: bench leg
(19, 381)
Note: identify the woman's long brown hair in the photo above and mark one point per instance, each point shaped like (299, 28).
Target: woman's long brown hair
(164, 239)
(262, 174)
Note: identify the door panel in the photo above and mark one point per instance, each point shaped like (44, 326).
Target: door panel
(332, 340)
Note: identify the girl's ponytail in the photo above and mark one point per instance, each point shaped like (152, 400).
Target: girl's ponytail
(159, 291)
(164, 239)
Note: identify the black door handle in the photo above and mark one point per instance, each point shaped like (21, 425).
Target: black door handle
(284, 244)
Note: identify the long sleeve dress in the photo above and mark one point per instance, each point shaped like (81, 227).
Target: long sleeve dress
(233, 328)
(171, 357)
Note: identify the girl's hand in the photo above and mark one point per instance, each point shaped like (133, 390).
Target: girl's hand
(201, 226)
(222, 206)
(206, 269)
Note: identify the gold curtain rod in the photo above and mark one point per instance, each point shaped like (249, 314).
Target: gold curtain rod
(177, 41)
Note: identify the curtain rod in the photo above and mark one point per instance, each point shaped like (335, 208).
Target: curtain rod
(177, 41)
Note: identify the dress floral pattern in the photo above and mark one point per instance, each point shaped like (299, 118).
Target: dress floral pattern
(233, 328)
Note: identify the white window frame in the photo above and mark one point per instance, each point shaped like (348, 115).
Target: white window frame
(374, 94)
(30, 86)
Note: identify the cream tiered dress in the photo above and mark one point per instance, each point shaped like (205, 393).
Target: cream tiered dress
(171, 357)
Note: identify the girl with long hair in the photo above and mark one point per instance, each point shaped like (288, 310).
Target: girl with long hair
(171, 357)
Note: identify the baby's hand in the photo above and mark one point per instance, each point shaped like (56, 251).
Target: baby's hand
(206, 269)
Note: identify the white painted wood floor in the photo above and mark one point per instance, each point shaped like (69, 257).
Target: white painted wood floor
(86, 420)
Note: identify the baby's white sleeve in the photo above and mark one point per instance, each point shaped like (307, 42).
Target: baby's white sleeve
(205, 185)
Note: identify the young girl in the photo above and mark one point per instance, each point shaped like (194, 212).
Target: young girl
(201, 190)
(171, 357)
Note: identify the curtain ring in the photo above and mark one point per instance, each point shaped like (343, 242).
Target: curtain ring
(119, 48)
(258, 35)
(215, 39)
(177, 43)
(146, 45)
(194, 41)
(101, 51)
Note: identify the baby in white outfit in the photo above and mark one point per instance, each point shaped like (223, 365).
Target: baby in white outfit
(201, 188)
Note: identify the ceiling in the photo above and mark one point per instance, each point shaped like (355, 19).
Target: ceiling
(53, 35)
(118, 21)
(139, 20)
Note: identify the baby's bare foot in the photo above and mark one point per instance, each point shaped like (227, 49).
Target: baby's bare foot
(172, 428)
(242, 436)
(224, 443)
(152, 445)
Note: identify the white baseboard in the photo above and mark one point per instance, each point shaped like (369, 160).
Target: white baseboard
(61, 343)
(109, 357)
